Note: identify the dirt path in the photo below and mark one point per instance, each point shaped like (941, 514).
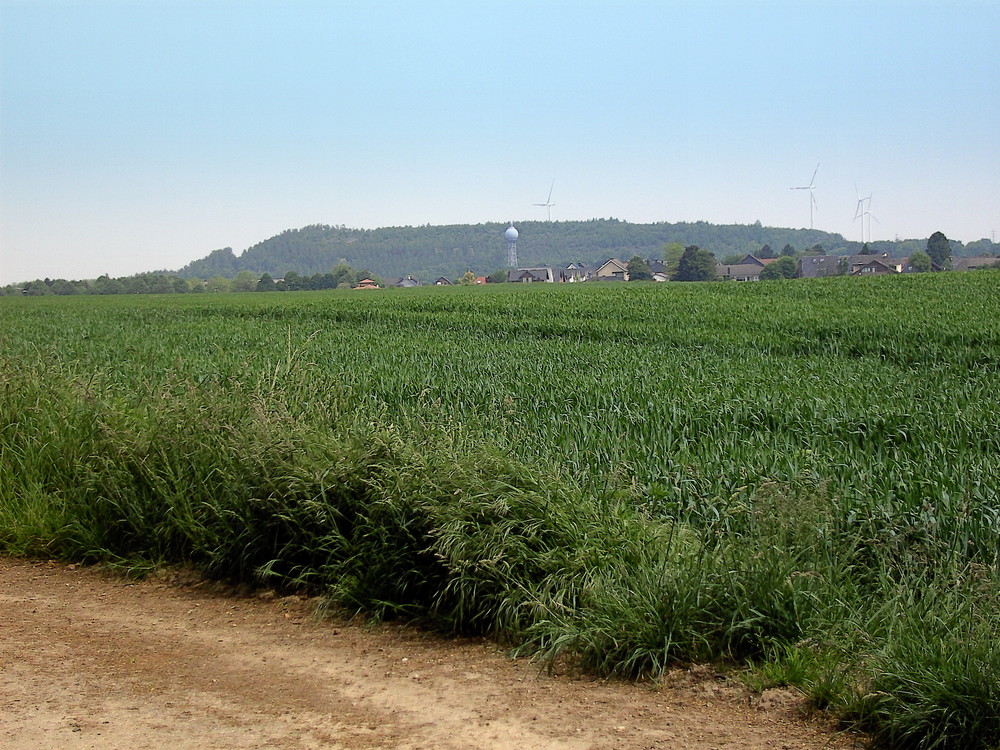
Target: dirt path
(92, 661)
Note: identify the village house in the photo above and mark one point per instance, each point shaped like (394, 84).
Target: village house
(972, 264)
(612, 270)
(875, 266)
(748, 269)
(866, 265)
(532, 275)
(818, 266)
(404, 282)
(659, 270)
(739, 272)
(576, 272)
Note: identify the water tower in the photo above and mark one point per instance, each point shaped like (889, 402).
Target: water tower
(511, 236)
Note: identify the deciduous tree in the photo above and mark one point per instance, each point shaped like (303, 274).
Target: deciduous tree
(939, 249)
(638, 269)
(245, 281)
(784, 267)
(499, 276)
(217, 284)
(920, 262)
(672, 252)
(696, 265)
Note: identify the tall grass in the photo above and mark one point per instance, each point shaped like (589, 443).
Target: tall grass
(801, 477)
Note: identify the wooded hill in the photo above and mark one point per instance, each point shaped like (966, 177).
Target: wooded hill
(428, 252)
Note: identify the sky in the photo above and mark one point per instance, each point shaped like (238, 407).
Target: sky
(139, 135)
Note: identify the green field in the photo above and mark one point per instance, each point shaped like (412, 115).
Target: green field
(797, 479)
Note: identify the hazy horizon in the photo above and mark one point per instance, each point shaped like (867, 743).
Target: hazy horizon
(141, 136)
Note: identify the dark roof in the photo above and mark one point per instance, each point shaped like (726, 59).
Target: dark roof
(862, 259)
(814, 266)
(405, 281)
(874, 265)
(543, 273)
(969, 264)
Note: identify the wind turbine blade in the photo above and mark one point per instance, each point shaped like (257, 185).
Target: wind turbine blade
(551, 187)
(813, 180)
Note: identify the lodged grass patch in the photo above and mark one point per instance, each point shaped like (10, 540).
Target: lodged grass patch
(623, 477)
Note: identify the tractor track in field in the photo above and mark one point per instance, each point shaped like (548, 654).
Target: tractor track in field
(91, 660)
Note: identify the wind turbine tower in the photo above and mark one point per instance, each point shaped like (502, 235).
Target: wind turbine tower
(548, 203)
(861, 211)
(511, 236)
(812, 198)
(869, 215)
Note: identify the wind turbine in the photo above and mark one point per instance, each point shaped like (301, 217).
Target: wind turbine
(548, 203)
(868, 213)
(812, 198)
(860, 212)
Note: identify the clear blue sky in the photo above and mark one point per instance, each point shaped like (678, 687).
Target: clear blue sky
(139, 135)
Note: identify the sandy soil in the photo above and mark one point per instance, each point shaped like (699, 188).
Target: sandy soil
(88, 660)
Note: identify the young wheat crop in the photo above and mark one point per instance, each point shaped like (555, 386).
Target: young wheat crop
(798, 476)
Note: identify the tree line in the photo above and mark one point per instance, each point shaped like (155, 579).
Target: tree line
(680, 263)
(429, 252)
(340, 277)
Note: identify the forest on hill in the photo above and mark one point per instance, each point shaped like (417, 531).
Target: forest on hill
(428, 252)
